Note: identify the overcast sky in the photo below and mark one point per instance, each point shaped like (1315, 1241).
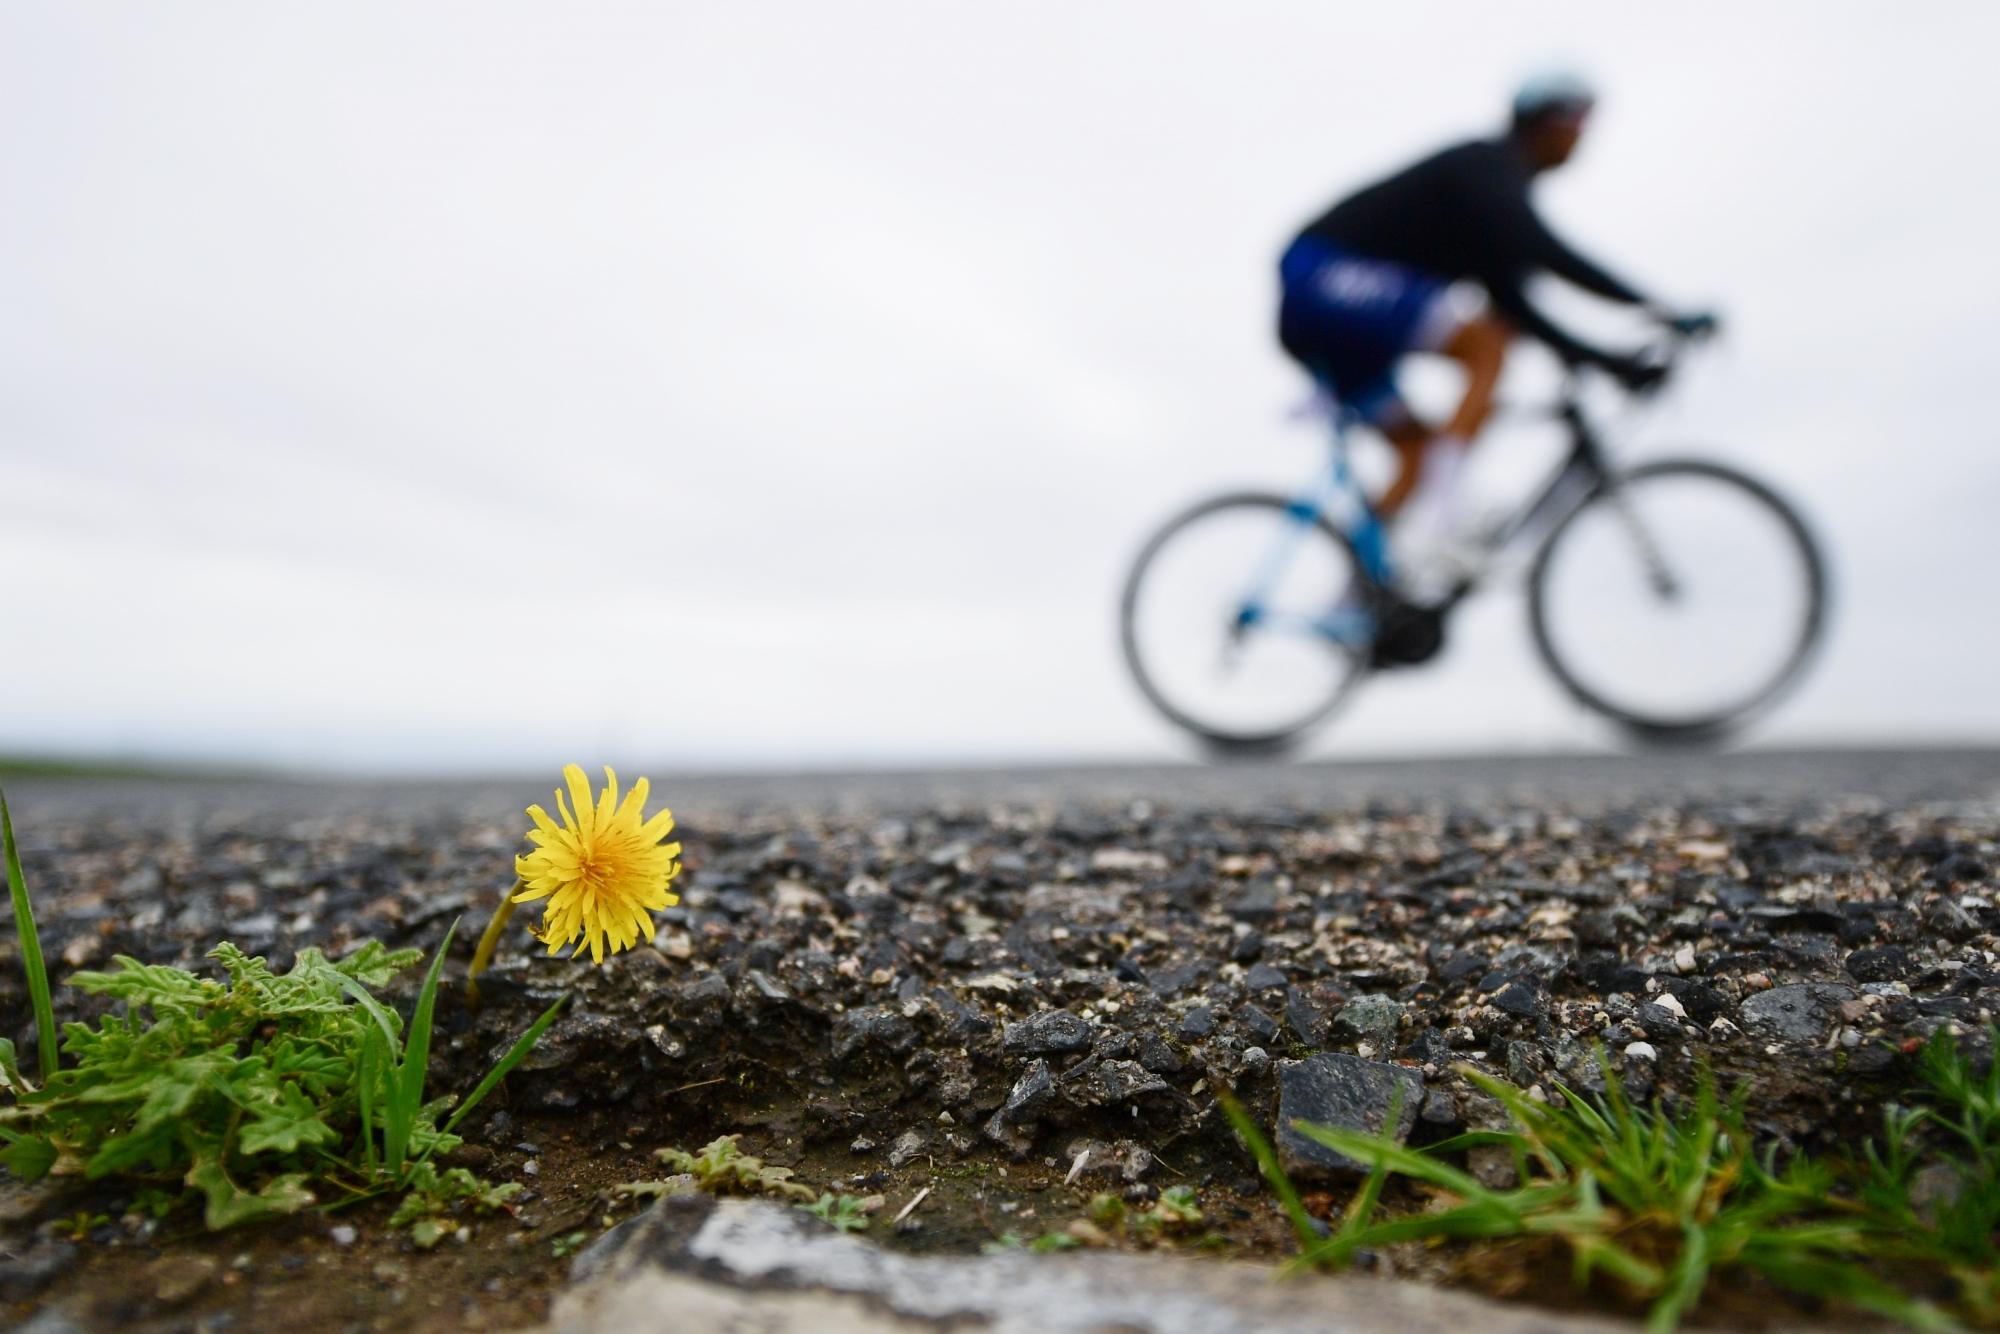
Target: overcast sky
(442, 386)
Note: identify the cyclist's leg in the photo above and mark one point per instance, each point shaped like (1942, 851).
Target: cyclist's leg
(1410, 438)
(1429, 483)
(1349, 319)
(1479, 345)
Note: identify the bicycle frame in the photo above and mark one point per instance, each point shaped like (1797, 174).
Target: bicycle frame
(1335, 496)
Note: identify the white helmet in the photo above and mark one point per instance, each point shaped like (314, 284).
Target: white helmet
(1553, 91)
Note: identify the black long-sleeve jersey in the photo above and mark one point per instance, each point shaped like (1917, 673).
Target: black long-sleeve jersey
(1465, 213)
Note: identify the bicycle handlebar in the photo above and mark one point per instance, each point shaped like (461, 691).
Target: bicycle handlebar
(1660, 355)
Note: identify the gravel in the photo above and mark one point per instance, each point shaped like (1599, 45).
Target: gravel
(1011, 964)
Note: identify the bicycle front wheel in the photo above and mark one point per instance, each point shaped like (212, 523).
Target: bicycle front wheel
(1244, 621)
(1678, 599)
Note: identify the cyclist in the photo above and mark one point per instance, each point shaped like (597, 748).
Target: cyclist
(1369, 282)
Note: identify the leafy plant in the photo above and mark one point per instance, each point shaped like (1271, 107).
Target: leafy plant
(1046, 1244)
(82, 1223)
(846, 1213)
(260, 1091)
(568, 1244)
(722, 1168)
(433, 1196)
(1174, 1210)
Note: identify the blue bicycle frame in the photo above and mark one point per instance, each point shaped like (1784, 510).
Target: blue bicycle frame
(1335, 493)
(1335, 496)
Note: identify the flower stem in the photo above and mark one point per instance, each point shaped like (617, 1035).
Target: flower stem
(491, 938)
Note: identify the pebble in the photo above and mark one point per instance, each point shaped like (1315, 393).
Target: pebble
(1048, 1033)
(1373, 1017)
(1348, 1092)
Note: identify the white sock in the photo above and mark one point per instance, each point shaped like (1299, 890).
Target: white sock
(1431, 513)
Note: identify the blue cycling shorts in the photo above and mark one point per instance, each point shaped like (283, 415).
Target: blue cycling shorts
(1348, 318)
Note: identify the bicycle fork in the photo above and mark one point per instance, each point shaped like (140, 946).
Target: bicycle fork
(1662, 580)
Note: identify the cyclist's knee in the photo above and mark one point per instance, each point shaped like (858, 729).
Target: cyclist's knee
(1405, 432)
(1481, 344)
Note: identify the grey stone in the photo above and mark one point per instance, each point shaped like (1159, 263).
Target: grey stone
(1198, 1022)
(1522, 999)
(1661, 1023)
(698, 1263)
(1158, 1055)
(1030, 1094)
(1523, 1063)
(1347, 1093)
(1307, 1017)
(1801, 1012)
(872, 1026)
(24, 1275)
(49, 1320)
(1439, 1109)
(907, 1146)
(1113, 1084)
(1264, 977)
(1048, 1033)
(707, 991)
(1370, 1019)
(1885, 963)
(1257, 1023)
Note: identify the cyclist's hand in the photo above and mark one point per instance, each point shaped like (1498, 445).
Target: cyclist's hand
(1692, 323)
(1638, 375)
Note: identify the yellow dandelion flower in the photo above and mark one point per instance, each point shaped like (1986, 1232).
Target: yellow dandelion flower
(603, 868)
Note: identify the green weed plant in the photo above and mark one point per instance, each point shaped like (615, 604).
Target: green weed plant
(722, 1168)
(1660, 1203)
(844, 1213)
(263, 1093)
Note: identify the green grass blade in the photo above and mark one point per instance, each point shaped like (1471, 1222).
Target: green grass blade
(398, 1117)
(1410, 1162)
(417, 1050)
(1594, 1253)
(1267, 1163)
(1472, 1222)
(365, 1069)
(1362, 1207)
(1689, 1275)
(31, 946)
(1473, 1139)
(515, 1054)
(383, 1019)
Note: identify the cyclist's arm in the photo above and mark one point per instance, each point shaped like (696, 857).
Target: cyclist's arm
(1521, 242)
(1512, 302)
(1566, 264)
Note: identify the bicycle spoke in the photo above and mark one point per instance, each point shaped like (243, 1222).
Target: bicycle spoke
(1686, 645)
(1283, 659)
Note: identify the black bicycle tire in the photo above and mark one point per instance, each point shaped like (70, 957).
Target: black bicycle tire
(1274, 741)
(1716, 725)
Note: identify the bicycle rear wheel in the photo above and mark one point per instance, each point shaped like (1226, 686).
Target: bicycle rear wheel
(1678, 600)
(1243, 622)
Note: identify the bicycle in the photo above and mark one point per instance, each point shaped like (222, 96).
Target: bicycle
(1300, 595)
